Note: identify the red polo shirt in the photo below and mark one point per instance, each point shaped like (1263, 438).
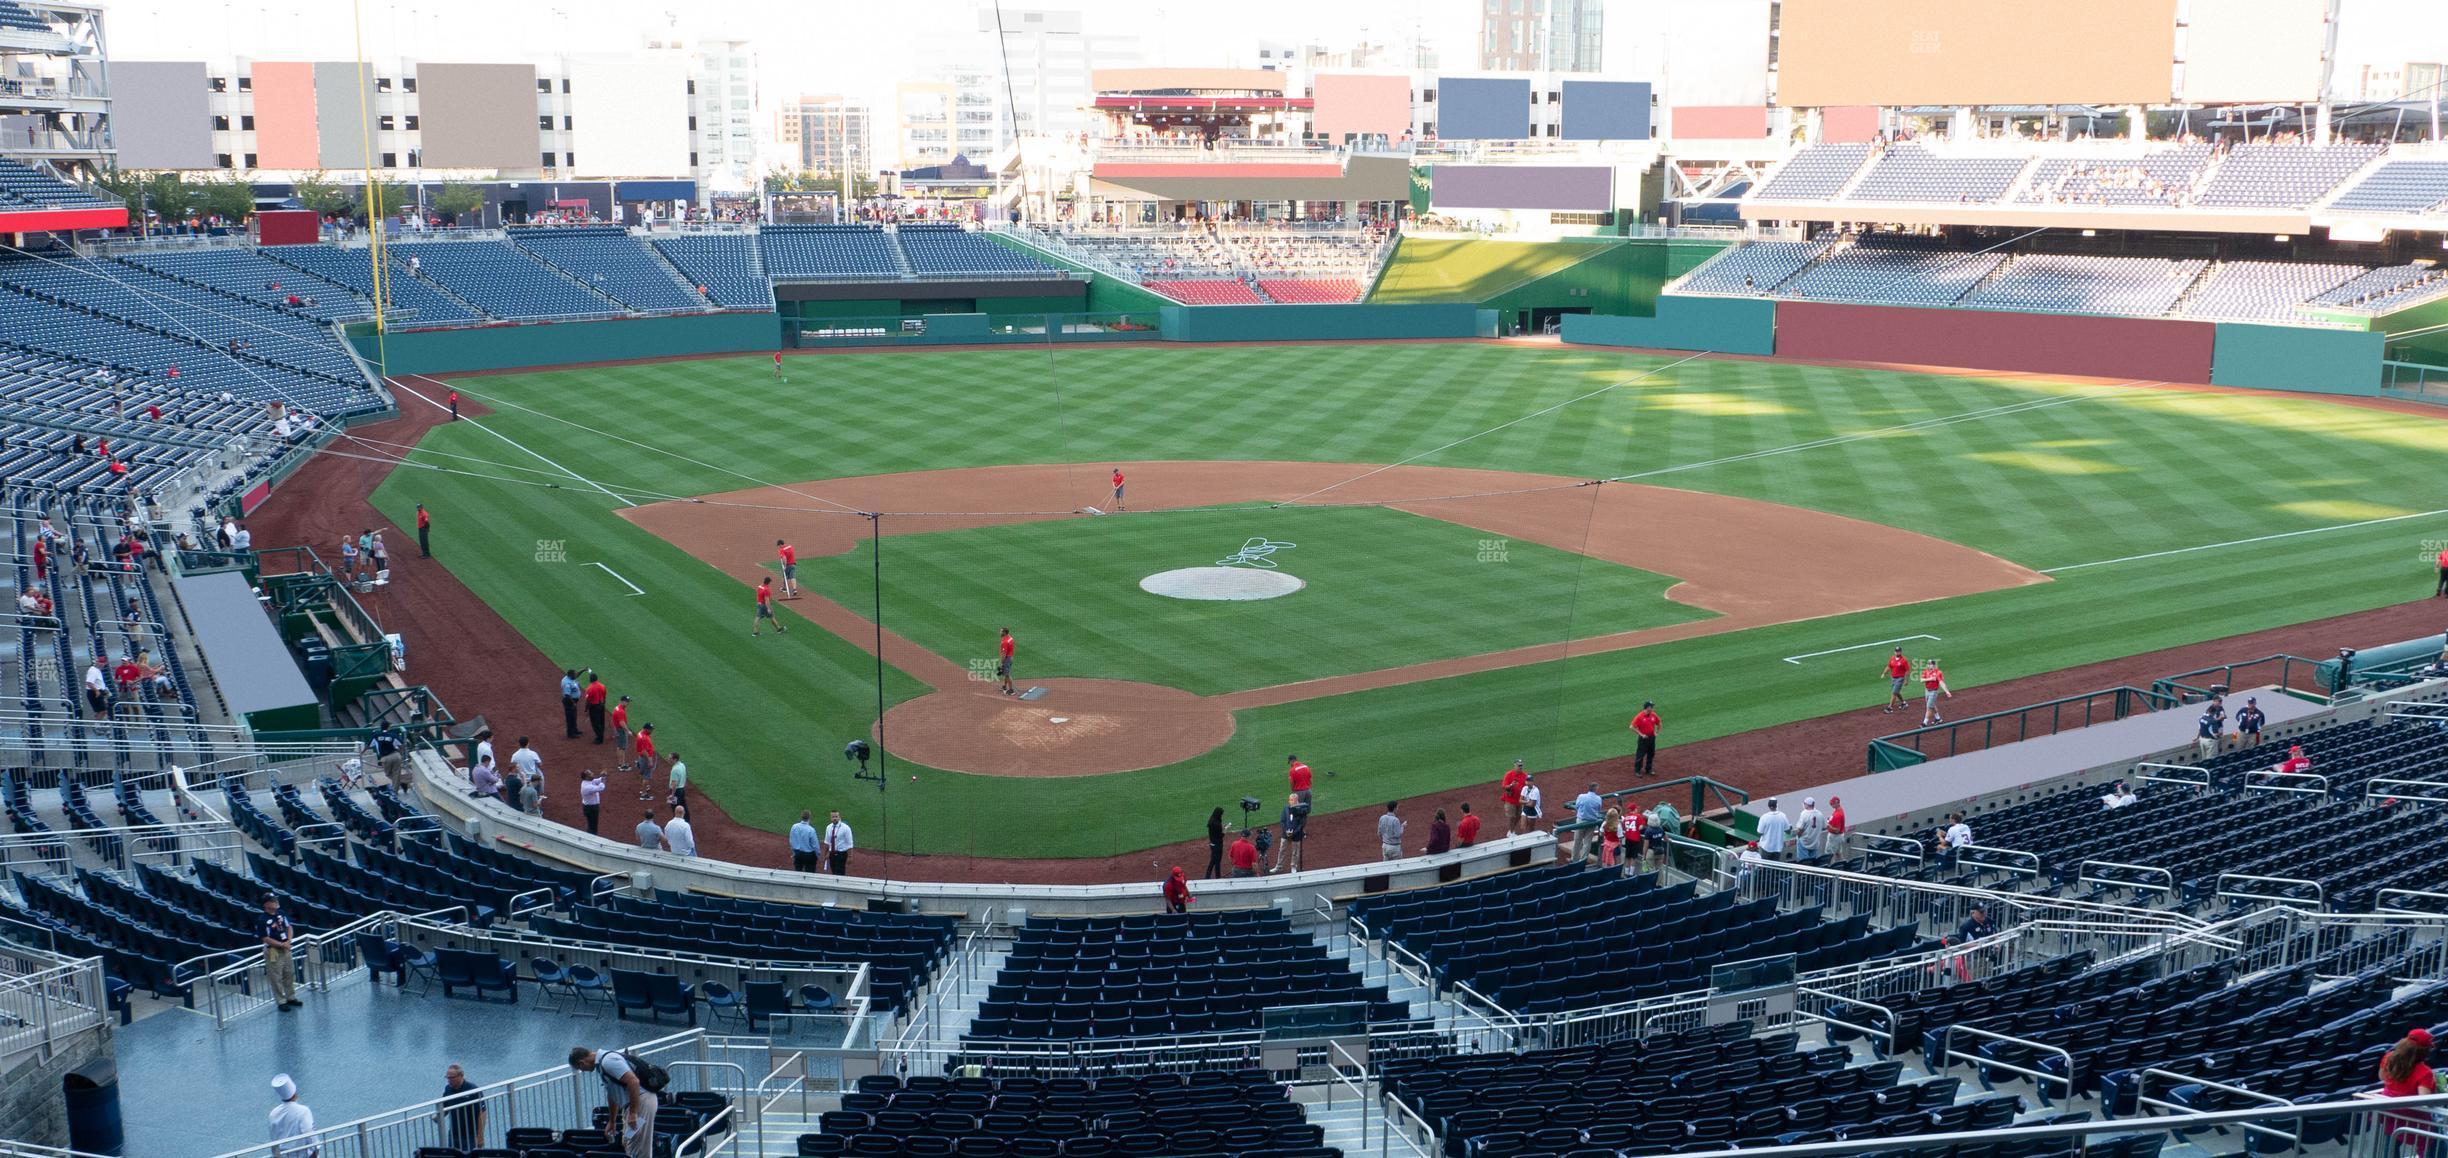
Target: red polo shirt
(620, 715)
(790, 554)
(1898, 667)
(1007, 647)
(764, 591)
(1466, 833)
(1931, 677)
(1646, 723)
(1514, 778)
(1300, 777)
(130, 675)
(645, 746)
(595, 693)
(1244, 854)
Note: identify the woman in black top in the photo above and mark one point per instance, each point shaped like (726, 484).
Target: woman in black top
(1215, 844)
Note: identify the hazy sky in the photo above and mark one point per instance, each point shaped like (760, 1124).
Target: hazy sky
(863, 47)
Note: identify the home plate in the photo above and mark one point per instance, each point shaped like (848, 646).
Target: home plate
(1036, 693)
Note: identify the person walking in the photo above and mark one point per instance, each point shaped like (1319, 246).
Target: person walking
(391, 756)
(679, 835)
(1644, 748)
(1295, 832)
(1177, 892)
(803, 843)
(649, 834)
(627, 1094)
(1215, 844)
(678, 779)
(462, 1111)
(1933, 684)
(424, 521)
(1835, 842)
(280, 968)
(594, 694)
(838, 841)
(1390, 833)
(1588, 809)
(1003, 662)
(97, 687)
(1440, 835)
(590, 800)
(290, 1120)
(1810, 832)
(570, 694)
(1117, 486)
(764, 610)
(1243, 854)
(1899, 669)
(1466, 830)
(790, 568)
(453, 398)
(1510, 793)
(1773, 825)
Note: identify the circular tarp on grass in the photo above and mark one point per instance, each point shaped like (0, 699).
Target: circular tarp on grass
(1221, 583)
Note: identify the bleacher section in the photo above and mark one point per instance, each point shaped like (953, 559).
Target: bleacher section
(2398, 187)
(1754, 268)
(614, 263)
(725, 264)
(2137, 286)
(419, 301)
(1204, 1112)
(2262, 290)
(1163, 976)
(2387, 288)
(905, 949)
(2164, 176)
(1207, 292)
(1319, 291)
(497, 278)
(24, 187)
(949, 249)
(249, 275)
(828, 253)
(1203, 265)
(1817, 173)
(1891, 276)
(1637, 938)
(1907, 172)
(2282, 175)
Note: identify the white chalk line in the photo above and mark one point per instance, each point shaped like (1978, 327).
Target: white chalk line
(396, 384)
(2243, 542)
(634, 589)
(1796, 660)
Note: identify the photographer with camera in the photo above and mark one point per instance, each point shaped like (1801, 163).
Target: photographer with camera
(1295, 831)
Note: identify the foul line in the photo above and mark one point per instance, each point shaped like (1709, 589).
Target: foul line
(2242, 542)
(396, 384)
(634, 589)
(1796, 660)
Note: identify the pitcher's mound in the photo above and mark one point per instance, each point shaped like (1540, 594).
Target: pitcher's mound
(1234, 584)
(1082, 727)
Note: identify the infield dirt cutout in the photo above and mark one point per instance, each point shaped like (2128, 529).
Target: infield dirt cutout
(1754, 563)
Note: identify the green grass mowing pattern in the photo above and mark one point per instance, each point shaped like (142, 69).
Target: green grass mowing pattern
(2102, 475)
(1385, 588)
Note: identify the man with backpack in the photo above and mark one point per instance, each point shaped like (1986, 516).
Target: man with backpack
(633, 1091)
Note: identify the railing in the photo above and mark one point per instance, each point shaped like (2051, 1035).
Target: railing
(2228, 891)
(767, 1097)
(2381, 903)
(557, 1099)
(2272, 780)
(1902, 848)
(2282, 1140)
(2189, 775)
(847, 980)
(232, 983)
(2165, 882)
(2039, 1078)
(2004, 860)
(46, 999)
(2414, 380)
(1982, 732)
(1407, 1127)
(1340, 1068)
(1811, 1004)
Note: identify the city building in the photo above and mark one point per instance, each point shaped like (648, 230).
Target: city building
(723, 114)
(1542, 35)
(825, 134)
(956, 114)
(1046, 58)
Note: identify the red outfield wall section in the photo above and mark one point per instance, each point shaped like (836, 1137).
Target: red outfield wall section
(2142, 348)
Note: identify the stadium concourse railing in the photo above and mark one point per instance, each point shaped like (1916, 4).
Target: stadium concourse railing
(1978, 733)
(46, 1000)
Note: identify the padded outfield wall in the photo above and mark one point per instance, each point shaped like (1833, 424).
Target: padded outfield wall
(2145, 349)
(566, 343)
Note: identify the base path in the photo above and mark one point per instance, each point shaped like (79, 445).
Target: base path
(1753, 563)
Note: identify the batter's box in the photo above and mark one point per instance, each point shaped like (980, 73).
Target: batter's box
(1035, 693)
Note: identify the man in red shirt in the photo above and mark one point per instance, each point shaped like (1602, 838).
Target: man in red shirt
(454, 405)
(1466, 831)
(2296, 761)
(620, 726)
(129, 673)
(645, 762)
(1117, 484)
(1933, 682)
(594, 695)
(1644, 751)
(2443, 576)
(1898, 668)
(1244, 856)
(1003, 664)
(1514, 780)
(1176, 887)
(790, 568)
(1835, 842)
(1299, 774)
(424, 545)
(764, 610)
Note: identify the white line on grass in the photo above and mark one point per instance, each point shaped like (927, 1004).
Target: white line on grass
(1904, 428)
(2241, 542)
(396, 384)
(634, 589)
(1796, 660)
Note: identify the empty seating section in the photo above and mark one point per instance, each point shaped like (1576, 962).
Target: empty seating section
(2161, 177)
(1638, 939)
(418, 301)
(2390, 287)
(1317, 291)
(828, 252)
(24, 187)
(2263, 290)
(1207, 292)
(904, 949)
(1162, 976)
(613, 262)
(183, 311)
(725, 264)
(1753, 267)
(248, 274)
(1878, 274)
(1817, 173)
(1204, 1112)
(2281, 175)
(949, 249)
(497, 278)
(2137, 286)
(2398, 187)
(1908, 172)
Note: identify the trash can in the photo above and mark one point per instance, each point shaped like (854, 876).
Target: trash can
(315, 660)
(92, 1090)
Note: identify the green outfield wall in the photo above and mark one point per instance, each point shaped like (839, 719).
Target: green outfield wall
(1289, 323)
(1718, 325)
(565, 343)
(2296, 358)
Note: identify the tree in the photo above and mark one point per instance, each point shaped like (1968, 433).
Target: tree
(782, 181)
(230, 197)
(388, 196)
(323, 195)
(456, 199)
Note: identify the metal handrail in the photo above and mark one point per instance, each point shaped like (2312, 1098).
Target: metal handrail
(2380, 902)
(1387, 1101)
(766, 1104)
(2320, 789)
(1335, 1053)
(2320, 896)
(1946, 1050)
(2142, 1098)
(516, 911)
(2027, 863)
(683, 1146)
(338, 832)
(1906, 847)
(2083, 875)
(596, 890)
(2373, 790)
(2199, 778)
(1887, 1035)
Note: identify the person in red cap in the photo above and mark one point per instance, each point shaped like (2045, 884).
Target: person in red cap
(2296, 761)
(1177, 892)
(2405, 1073)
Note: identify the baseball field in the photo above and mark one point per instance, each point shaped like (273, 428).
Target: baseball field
(1468, 592)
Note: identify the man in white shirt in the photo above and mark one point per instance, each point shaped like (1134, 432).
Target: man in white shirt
(1957, 837)
(1533, 802)
(679, 836)
(1810, 831)
(290, 1119)
(1773, 825)
(242, 539)
(97, 688)
(528, 764)
(2117, 796)
(837, 845)
(804, 843)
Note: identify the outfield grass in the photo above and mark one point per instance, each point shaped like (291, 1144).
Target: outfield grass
(2077, 475)
(1385, 588)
